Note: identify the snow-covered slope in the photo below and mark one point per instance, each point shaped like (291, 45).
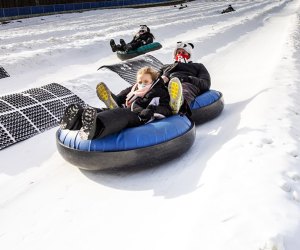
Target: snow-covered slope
(239, 185)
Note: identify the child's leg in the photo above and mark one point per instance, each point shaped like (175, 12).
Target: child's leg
(72, 117)
(190, 92)
(107, 122)
(132, 46)
(123, 44)
(113, 45)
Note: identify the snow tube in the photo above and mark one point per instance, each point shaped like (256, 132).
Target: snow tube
(147, 145)
(207, 106)
(141, 50)
(144, 146)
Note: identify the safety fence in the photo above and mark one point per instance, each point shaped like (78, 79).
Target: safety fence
(55, 8)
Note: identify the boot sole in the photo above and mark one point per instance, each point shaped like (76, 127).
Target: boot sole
(113, 45)
(175, 92)
(88, 129)
(104, 95)
(70, 116)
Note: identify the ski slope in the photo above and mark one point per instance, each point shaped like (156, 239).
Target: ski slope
(238, 187)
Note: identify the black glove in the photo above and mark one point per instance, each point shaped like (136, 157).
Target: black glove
(193, 79)
(152, 107)
(184, 79)
(146, 114)
(181, 77)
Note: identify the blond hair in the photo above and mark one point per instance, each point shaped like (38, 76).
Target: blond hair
(148, 70)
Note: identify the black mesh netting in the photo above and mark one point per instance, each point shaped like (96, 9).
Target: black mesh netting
(30, 112)
(3, 73)
(127, 70)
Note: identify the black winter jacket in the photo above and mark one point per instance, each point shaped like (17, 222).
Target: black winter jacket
(157, 99)
(194, 73)
(142, 39)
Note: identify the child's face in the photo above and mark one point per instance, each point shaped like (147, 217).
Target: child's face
(182, 52)
(145, 79)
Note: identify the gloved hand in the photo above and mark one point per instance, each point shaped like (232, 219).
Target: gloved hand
(180, 76)
(152, 107)
(184, 79)
(193, 79)
(146, 114)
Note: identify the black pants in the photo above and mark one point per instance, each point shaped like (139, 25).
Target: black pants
(136, 44)
(112, 121)
(190, 92)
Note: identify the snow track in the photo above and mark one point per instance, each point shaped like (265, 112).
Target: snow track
(51, 38)
(239, 185)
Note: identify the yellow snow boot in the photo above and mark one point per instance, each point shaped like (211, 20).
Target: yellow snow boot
(175, 92)
(105, 96)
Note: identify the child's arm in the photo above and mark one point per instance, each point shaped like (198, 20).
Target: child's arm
(157, 100)
(121, 97)
(162, 107)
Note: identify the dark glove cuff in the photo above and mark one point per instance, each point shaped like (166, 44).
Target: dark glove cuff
(152, 107)
(192, 78)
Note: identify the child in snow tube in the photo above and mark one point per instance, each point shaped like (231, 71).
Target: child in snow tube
(141, 38)
(229, 9)
(194, 77)
(134, 106)
(124, 55)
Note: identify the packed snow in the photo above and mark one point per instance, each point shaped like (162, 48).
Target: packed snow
(238, 187)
